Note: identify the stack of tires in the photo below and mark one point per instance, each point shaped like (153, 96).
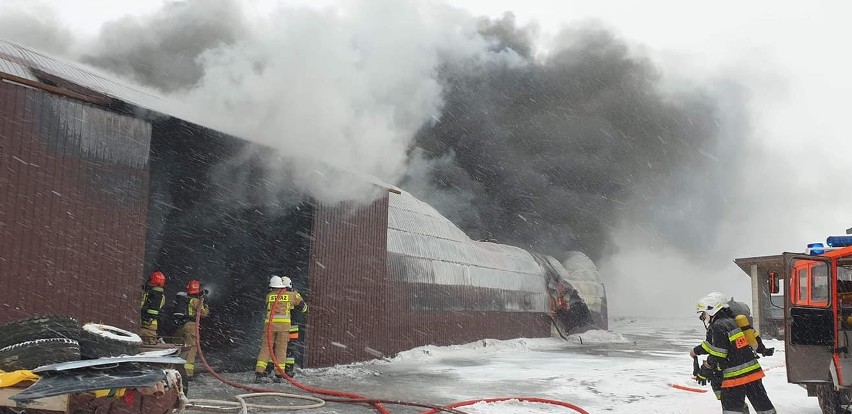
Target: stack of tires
(43, 340)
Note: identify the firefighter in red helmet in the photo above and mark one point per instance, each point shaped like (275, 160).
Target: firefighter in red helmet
(152, 303)
(187, 305)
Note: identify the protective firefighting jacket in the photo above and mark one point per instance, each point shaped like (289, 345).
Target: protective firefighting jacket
(153, 301)
(287, 301)
(728, 350)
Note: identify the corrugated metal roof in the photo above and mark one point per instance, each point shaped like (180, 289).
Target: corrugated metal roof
(15, 57)
(425, 247)
(417, 229)
(433, 250)
(16, 60)
(13, 68)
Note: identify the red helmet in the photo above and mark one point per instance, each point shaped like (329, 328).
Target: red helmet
(193, 287)
(158, 279)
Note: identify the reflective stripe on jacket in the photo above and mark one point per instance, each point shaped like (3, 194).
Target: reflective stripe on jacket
(286, 301)
(153, 301)
(730, 351)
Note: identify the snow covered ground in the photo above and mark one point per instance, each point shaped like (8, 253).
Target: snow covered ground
(627, 370)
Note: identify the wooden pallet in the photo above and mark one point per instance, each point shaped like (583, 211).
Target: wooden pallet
(58, 403)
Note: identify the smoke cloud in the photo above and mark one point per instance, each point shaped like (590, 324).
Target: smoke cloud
(163, 50)
(37, 27)
(578, 147)
(553, 154)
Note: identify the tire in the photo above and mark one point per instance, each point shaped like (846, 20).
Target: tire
(38, 327)
(113, 333)
(33, 354)
(99, 341)
(832, 401)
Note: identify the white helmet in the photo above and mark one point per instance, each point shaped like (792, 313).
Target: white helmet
(286, 282)
(712, 303)
(276, 282)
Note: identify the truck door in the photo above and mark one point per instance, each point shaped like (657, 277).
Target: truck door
(842, 360)
(810, 318)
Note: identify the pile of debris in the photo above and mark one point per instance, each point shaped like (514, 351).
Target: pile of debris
(54, 363)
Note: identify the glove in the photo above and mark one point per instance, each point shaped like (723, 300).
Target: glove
(704, 374)
(768, 352)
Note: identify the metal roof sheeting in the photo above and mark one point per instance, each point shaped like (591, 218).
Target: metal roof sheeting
(15, 60)
(16, 69)
(417, 229)
(425, 247)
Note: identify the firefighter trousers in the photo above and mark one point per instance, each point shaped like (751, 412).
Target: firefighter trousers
(148, 332)
(733, 398)
(280, 332)
(187, 332)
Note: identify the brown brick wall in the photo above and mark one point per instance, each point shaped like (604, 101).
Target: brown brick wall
(73, 197)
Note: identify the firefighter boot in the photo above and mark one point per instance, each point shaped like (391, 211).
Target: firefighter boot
(259, 377)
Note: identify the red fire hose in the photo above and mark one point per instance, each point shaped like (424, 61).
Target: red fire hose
(350, 398)
(347, 397)
(522, 399)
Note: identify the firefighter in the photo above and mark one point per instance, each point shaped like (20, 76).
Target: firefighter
(285, 299)
(296, 319)
(185, 308)
(152, 303)
(290, 364)
(731, 358)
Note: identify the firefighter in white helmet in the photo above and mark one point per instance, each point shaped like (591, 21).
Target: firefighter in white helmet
(277, 326)
(729, 355)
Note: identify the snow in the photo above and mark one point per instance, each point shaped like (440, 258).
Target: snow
(628, 369)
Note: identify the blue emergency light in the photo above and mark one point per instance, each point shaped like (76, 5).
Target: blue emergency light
(815, 249)
(839, 241)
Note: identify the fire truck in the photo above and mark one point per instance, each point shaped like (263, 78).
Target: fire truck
(817, 320)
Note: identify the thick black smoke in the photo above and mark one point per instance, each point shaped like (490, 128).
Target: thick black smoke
(550, 155)
(163, 50)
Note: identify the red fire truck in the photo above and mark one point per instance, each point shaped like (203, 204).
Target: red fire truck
(818, 321)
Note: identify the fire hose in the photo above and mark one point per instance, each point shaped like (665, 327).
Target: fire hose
(347, 398)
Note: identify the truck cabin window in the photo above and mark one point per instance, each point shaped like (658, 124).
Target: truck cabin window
(819, 283)
(810, 284)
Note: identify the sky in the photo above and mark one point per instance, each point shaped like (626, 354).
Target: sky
(630, 369)
(775, 73)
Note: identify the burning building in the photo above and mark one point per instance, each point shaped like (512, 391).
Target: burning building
(101, 183)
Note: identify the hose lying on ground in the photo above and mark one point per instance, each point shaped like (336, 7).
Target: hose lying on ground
(243, 406)
(522, 399)
(434, 408)
(685, 388)
(347, 397)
